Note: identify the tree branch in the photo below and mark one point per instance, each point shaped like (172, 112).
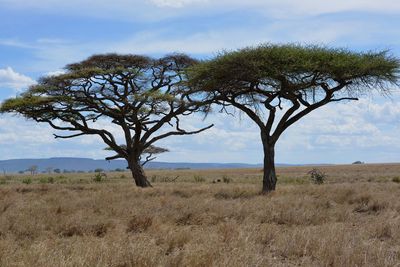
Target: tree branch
(343, 98)
(154, 139)
(68, 136)
(115, 157)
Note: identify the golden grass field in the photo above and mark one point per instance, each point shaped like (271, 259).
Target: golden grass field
(71, 220)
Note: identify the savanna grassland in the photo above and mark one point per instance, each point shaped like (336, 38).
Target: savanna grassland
(353, 219)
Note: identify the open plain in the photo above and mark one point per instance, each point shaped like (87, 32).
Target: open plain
(203, 218)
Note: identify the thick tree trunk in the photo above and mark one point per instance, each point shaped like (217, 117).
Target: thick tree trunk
(269, 179)
(138, 174)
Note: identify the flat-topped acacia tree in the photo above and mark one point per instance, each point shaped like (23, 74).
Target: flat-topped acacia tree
(277, 85)
(142, 96)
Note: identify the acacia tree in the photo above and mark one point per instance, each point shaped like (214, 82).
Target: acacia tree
(144, 97)
(277, 85)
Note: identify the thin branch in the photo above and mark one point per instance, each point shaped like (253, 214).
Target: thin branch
(154, 139)
(148, 158)
(68, 136)
(115, 157)
(343, 98)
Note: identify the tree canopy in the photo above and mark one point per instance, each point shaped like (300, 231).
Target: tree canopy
(143, 96)
(291, 80)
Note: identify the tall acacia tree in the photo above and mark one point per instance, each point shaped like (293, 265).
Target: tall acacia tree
(277, 85)
(142, 96)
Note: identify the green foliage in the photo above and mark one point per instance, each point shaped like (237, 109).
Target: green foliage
(47, 180)
(317, 176)
(226, 179)
(27, 181)
(199, 178)
(99, 177)
(271, 64)
(396, 179)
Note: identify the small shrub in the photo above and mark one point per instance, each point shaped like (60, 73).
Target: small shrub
(98, 230)
(70, 231)
(27, 181)
(199, 179)
(99, 177)
(370, 207)
(153, 178)
(46, 180)
(188, 219)
(3, 181)
(139, 224)
(317, 176)
(396, 180)
(226, 179)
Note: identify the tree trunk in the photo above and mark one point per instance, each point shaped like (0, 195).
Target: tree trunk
(269, 179)
(138, 174)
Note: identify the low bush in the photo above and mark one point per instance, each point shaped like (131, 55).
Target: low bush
(139, 224)
(317, 176)
(226, 179)
(27, 181)
(46, 180)
(199, 179)
(99, 177)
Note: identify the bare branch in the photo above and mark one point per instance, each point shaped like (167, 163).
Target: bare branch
(68, 136)
(154, 139)
(343, 98)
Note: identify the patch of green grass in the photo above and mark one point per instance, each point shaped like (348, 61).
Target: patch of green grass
(27, 180)
(293, 180)
(199, 179)
(47, 180)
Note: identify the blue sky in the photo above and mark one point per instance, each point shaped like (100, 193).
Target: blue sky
(40, 37)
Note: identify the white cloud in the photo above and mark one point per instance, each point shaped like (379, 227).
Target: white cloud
(55, 73)
(14, 80)
(176, 3)
(20, 132)
(160, 9)
(345, 129)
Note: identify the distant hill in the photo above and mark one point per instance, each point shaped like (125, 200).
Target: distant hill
(87, 164)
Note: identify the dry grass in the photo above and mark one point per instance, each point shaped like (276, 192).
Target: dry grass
(354, 220)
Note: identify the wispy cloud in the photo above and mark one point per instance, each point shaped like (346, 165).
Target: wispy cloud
(159, 9)
(287, 8)
(11, 79)
(177, 3)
